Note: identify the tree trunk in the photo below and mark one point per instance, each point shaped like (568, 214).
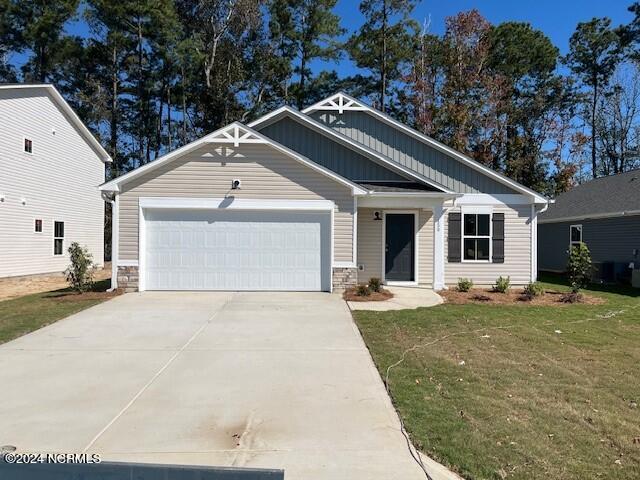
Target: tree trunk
(169, 137)
(383, 63)
(594, 106)
(184, 107)
(115, 166)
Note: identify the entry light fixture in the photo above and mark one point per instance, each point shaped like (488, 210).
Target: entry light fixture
(377, 215)
(235, 184)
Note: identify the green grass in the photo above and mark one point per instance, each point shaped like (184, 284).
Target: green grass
(22, 315)
(528, 402)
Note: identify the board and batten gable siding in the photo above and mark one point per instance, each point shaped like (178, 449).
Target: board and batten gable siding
(370, 252)
(264, 173)
(326, 152)
(410, 152)
(609, 240)
(59, 182)
(517, 251)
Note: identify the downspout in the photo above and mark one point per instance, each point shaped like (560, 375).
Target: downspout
(112, 198)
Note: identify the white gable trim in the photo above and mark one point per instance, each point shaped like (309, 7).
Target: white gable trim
(334, 101)
(236, 134)
(62, 103)
(348, 142)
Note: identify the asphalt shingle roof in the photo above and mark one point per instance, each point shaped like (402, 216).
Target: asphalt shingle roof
(397, 187)
(612, 194)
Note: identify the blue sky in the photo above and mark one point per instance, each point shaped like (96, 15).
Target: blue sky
(556, 18)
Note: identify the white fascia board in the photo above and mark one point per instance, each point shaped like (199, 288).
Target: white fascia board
(219, 137)
(432, 142)
(441, 195)
(231, 203)
(594, 216)
(62, 103)
(379, 158)
(494, 199)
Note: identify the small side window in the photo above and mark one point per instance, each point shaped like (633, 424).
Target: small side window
(28, 145)
(58, 238)
(38, 226)
(575, 235)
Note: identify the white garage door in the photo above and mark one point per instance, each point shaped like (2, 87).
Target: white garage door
(237, 250)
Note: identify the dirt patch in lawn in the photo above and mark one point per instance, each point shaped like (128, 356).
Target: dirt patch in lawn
(68, 296)
(514, 296)
(351, 295)
(14, 287)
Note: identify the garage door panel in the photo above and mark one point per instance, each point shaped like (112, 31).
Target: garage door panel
(239, 250)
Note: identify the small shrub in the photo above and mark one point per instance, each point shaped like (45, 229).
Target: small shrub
(572, 297)
(502, 284)
(465, 284)
(375, 284)
(80, 272)
(532, 290)
(579, 267)
(363, 290)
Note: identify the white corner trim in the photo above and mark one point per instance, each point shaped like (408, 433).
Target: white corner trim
(348, 142)
(232, 133)
(230, 203)
(534, 243)
(332, 103)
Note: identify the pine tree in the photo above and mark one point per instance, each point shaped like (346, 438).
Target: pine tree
(384, 45)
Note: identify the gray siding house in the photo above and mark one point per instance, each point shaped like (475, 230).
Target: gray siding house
(315, 200)
(604, 214)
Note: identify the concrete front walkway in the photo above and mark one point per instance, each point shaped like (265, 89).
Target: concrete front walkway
(272, 380)
(403, 298)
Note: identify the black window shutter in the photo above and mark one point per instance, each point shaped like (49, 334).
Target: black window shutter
(498, 238)
(455, 237)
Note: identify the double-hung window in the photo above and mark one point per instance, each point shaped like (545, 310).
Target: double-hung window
(58, 238)
(476, 237)
(575, 235)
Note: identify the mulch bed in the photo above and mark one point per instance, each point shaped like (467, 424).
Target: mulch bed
(514, 296)
(67, 296)
(351, 296)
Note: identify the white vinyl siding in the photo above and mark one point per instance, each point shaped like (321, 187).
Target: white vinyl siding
(265, 174)
(517, 251)
(58, 181)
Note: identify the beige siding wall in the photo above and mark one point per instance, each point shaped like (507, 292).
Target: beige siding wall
(369, 245)
(265, 174)
(58, 182)
(517, 251)
(370, 251)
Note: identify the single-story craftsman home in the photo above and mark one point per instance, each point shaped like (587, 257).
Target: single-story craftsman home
(316, 200)
(604, 214)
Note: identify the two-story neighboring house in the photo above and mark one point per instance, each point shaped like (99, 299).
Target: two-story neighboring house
(50, 170)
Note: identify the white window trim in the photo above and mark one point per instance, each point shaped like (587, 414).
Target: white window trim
(32, 144)
(416, 249)
(35, 232)
(573, 243)
(476, 211)
(53, 235)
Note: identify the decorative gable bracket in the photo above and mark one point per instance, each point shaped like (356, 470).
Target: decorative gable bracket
(340, 103)
(236, 134)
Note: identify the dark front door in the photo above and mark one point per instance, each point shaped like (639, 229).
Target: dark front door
(399, 247)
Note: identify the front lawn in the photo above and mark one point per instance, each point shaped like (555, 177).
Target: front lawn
(22, 315)
(518, 391)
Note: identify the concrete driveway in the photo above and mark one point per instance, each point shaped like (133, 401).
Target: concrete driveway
(277, 380)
